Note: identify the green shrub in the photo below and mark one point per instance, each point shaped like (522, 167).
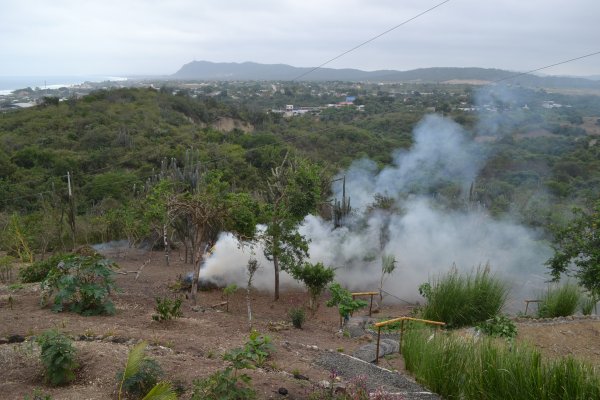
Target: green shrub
(559, 301)
(138, 375)
(82, 283)
(459, 368)
(464, 299)
(228, 291)
(143, 380)
(315, 277)
(38, 395)
(342, 298)
(258, 348)
(38, 271)
(167, 309)
(297, 315)
(499, 326)
(58, 357)
(223, 385)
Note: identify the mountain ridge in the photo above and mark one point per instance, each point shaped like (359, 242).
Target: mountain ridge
(207, 70)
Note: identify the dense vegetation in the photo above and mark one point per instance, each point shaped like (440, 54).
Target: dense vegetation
(117, 144)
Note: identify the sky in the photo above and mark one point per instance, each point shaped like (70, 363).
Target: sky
(156, 37)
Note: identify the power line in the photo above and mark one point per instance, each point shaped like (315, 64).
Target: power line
(545, 67)
(370, 40)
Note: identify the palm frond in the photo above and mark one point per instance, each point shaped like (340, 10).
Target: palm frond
(134, 361)
(161, 391)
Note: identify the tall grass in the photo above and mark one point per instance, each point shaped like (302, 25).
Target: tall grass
(588, 304)
(459, 368)
(559, 301)
(464, 299)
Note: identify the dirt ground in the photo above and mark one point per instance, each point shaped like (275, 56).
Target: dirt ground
(191, 347)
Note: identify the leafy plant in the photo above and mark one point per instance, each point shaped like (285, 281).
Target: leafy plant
(297, 315)
(315, 277)
(388, 265)
(38, 395)
(342, 298)
(82, 283)
(227, 291)
(499, 326)
(6, 268)
(167, 309)
(58, 357)
(228, 384)
(559, 301)
(464, 299)
(258, 348)
(37, 271)
(138, 379)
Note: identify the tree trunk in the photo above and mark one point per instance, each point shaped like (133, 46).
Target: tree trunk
(196, 277)
(276, 265)
(248, 304)
(166, 244)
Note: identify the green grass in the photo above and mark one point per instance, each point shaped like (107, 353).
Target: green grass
(559, 301)
(464, 299)
(462, 368)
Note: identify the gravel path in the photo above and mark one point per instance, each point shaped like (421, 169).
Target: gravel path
(377, 377)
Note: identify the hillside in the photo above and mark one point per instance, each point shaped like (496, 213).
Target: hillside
(206, 70)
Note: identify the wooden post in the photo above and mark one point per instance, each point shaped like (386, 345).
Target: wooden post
(401, 336)
(377, 351)
(371, 305)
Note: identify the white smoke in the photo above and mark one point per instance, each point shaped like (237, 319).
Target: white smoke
(425, 238)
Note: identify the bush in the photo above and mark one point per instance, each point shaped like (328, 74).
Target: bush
(315, 277)
(297, 316)
(167, 309)
(499, 326)
(38, 271)
(143, 380)
(459, 368)
(82, 283)
(463, 300)
(223, 385)
(58, 357)
(258, 348)
(559, 301)
(342, 298)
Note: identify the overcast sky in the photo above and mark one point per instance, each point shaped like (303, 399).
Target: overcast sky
(127, 37)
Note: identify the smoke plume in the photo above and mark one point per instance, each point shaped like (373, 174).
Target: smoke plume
(425, 236)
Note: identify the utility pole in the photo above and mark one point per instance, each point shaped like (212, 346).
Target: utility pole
(71, 215)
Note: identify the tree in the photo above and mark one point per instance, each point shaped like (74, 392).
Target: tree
(577, 250)
(315, 277)
(214, 209)
(388, 265)
(294, 192)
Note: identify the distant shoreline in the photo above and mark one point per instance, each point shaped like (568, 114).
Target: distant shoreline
(9, 84)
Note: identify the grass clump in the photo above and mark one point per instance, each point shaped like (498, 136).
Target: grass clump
(297, 315)
(460, 368)
(58, 357)
(464, 299)
(588, 304)
(38, 271)
(559, 301)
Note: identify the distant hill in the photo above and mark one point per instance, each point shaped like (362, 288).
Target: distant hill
(206, 70)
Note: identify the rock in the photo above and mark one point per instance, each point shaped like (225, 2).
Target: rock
(3, 340)
(282, 391)
(119, 339)
(301, 377)
(198, 309)
(16, 339)
(325, 384)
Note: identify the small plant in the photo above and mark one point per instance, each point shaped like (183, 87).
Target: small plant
(58, 357)
(135, 378)
(388, 265)
(315, 277)
(82, 283)
(38, 395)
(587, 304)
(167, 309)
(297, 315)
(15, 286)
(258, 348)
(6, 269)
(38, 271)
(559, 301)
(228, 384)
(342, 298)
(227, 291)
(499, 326)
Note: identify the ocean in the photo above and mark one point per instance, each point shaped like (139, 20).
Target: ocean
(11, 83)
